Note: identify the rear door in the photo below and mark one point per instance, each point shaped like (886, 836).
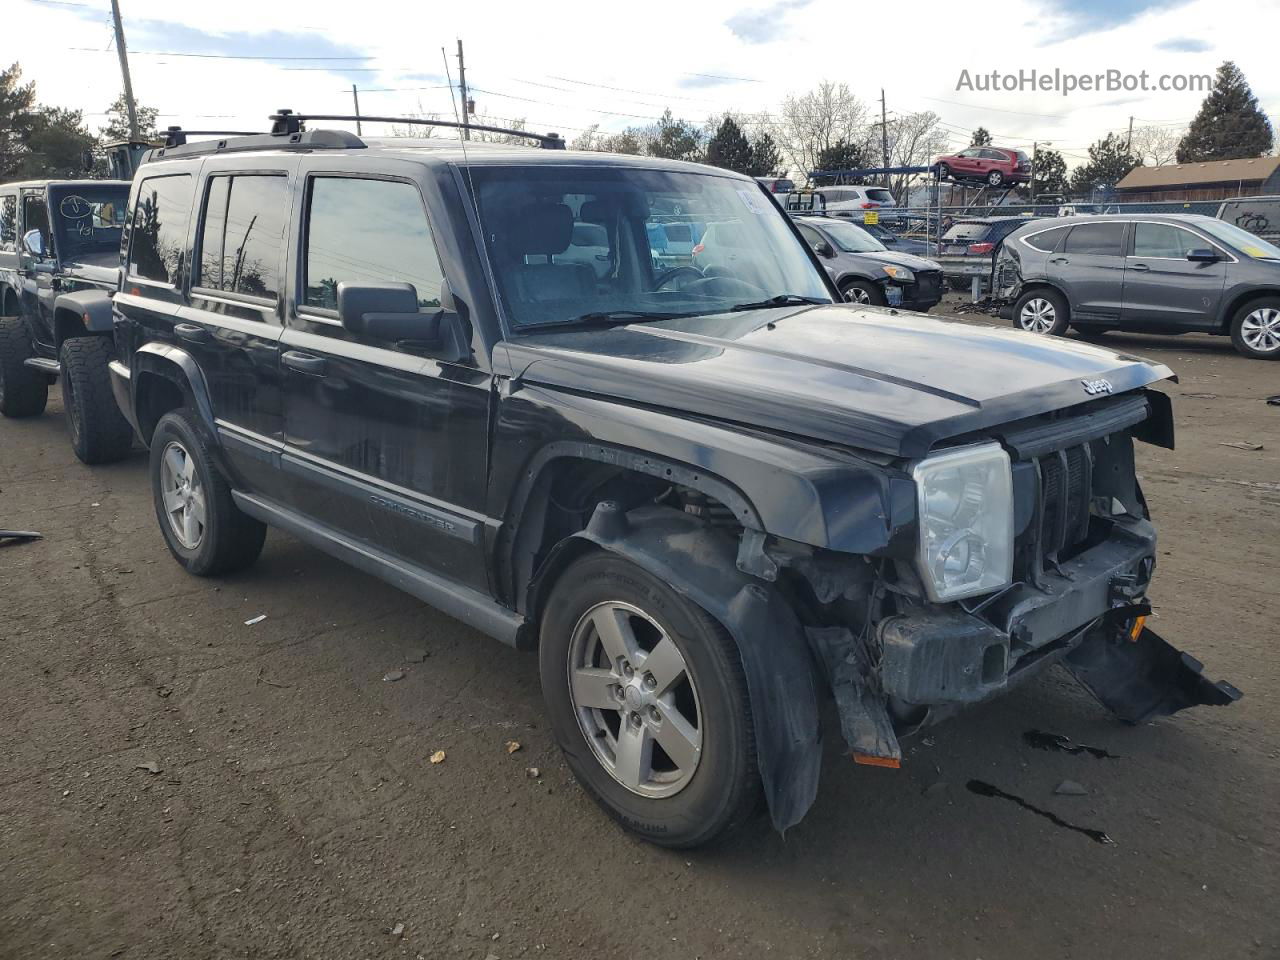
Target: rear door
(384, 444)
(1162, 288)
(1090, 266)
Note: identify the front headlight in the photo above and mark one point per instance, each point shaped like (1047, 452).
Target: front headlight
(965, 501)
(901, 274)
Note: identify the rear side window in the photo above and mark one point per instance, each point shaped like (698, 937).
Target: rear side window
(1099, 239)
(370, 230)
(1047, 240)
(8, 222)
(159, 230)
(243, 233)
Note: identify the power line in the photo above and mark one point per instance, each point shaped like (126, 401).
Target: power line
(219, 56)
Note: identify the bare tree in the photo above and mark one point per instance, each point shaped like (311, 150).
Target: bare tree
(1156, 146)
(817, 121)
(914, 140)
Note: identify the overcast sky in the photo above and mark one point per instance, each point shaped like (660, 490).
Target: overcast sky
(566, 64)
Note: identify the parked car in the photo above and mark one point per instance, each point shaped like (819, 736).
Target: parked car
(59, 262)
(1149, 273)
(994, 166)
(968, 247)
(1258, 215)
(781, 185)
(706, 497)
(896, 242)
(856, 202)
(868, 273)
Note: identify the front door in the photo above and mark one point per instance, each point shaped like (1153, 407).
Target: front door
(36, 271)
(1162, 288)
(1090, 267)
(384, 444)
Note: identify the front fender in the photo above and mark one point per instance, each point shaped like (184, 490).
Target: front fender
(90, 309)
(781, 676)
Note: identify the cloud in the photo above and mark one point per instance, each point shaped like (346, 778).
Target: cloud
(764, 25)
(702, 81)
(1185, 45)
(1091, 16)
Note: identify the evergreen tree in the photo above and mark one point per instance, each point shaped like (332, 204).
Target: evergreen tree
(117, 125)
(841, 155)
(730, 148)
(675, 139)
(1109, 161)
(1229, 123)
(16, 120)
(58, 145)
(981, 137)
(765, 156)
(1050, 172)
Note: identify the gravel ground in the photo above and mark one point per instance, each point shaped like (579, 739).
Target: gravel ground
(174, 783)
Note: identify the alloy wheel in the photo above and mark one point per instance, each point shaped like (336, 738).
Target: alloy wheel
(635, 699)
(183, 495)
(857, 295)
(1037, 315)
(1260, 330)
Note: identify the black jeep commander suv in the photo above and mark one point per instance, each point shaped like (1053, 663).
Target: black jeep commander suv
(59, 264)
(706, 497)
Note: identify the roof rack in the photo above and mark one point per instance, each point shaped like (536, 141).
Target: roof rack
(286, 121)
(177, 137)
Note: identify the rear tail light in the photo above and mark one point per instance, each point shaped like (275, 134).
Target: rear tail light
(981, 247)
(698, 248)
(870, 205)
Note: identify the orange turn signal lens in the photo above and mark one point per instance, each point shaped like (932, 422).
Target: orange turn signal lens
(1136, 630)
(868, 760)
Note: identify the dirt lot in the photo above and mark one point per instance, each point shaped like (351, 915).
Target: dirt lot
(295, 812)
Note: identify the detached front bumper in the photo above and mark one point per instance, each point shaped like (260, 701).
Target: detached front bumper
(942, 657)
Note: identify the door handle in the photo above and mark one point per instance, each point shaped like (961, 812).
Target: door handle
(191, 332)
(1139, 266)
(1059, 260)
(303, 363)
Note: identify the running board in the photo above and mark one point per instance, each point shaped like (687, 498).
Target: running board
(460, 602)
(51, 367)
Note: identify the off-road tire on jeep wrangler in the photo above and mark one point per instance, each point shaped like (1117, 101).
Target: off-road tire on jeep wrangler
(668, 804)
(23, 391)
(193, 502)
(99, 431)
(865, 292)
(1255, 329)
(1046, 312)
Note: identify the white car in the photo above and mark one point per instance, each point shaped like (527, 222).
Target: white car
(856, 201)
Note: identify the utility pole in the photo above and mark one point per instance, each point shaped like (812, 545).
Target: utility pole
(462, 90)
(1031, 185)
(884, 136)
(124, 69)
(355, 96)
(1128, 143)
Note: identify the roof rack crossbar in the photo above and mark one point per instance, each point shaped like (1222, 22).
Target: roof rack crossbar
(176, 136)
(286, 121)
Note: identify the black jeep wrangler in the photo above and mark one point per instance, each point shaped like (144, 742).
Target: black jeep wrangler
(59, 264)
(708, 498)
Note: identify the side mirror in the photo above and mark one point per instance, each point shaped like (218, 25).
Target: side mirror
(1203, 255)
(823, 249)
(389, 311)
(33, 241)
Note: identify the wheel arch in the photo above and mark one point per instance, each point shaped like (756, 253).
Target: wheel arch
(1239, 300)
(80, 314)
(166, 377)
(1040, 283)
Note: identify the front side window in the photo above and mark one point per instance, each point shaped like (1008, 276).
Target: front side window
(1163, 241)
(1096, 239)
(159, 229)
(744, 252)
(243, 233)
(8, 222)
(368, 230)
(35, 217)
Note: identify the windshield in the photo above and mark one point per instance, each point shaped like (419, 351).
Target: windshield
(851, 238)
(88, 218)
(585, 244)
(1244, 241)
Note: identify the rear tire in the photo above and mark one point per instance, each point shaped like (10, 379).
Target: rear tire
(1042, 311)
(1255, 329)
(206, 532)
(99, 431)
(679, 799)
(995, 178)
(862, 292)
(23, 391)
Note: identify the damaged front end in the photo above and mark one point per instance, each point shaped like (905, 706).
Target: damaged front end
(898, 656)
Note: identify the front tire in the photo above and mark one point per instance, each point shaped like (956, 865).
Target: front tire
(23, 391)
(99, 431)
(648, 700)
(206, 532)
(862, 292)
(1043, 312)
(1255, 329)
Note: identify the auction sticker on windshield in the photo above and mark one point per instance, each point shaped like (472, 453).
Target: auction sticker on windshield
(750, 202)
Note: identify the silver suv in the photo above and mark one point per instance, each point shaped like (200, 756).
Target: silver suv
(1148, 273)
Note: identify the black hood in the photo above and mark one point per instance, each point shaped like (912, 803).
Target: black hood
(865, 378)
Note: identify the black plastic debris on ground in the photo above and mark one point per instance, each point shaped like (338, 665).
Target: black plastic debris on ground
(984, 789)
(1040, 740)
(9, 537)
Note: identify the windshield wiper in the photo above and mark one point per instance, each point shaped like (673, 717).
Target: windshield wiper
(781, 300)
(604, 318)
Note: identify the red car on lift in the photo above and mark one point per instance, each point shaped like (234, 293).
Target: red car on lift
(993, 165)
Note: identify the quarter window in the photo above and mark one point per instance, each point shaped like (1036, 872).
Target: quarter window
(1098, 239)
(1160, 240)
(368, 230)
(243, 233)
(159, 230)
